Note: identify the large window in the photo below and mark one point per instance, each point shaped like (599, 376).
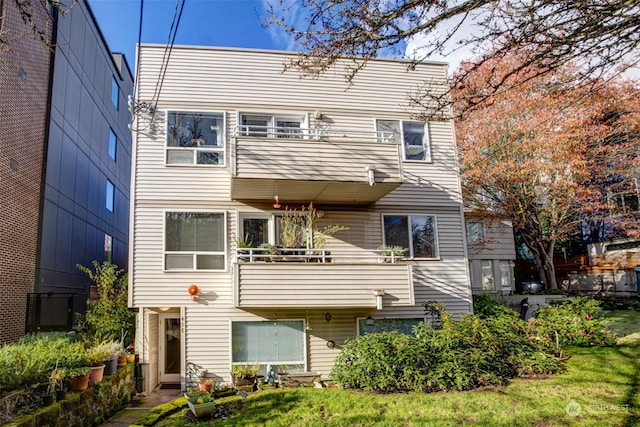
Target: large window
(415, 232)
(195, 138)
(278, 342)
(413, 136)
(194, 241)
(404, 326)
(272, 126)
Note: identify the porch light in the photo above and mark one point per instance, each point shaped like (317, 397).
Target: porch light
(193, 291)
(379, 293)
(371, 174)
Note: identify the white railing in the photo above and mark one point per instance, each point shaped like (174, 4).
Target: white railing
(312, 133)
(280, 254)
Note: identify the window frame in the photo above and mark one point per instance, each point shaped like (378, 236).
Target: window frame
(426, 143)
(113, 144)
(272, 130)
(108, 248)
(197, 149)
(194, 253)
(264, 363)
(359, 332)
(110, 196)
(411, 254)
(115, 93)
(476, 237)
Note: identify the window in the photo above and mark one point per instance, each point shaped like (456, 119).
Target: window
(108, 245)
(195, 138)
(371, 326)
(416, 232)
(110, 196)
(195, 241)
(255, 231)
(476, 233)
(272, 126)
(506, 275)
(413, 136)
(486, 271)
(115, 93)
(279, 342)
(113, 143)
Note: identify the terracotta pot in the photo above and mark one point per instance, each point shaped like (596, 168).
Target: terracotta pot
(79, 383)
(96, 374)
(122, 361)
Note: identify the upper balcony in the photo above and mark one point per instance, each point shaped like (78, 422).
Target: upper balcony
(322, 166)
(305, 278)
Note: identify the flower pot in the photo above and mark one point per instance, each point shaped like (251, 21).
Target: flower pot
(204, 387)
(48, 399)
(79, 383)
(201, 409)
(96, 374)
(111, 366)
(122, 361)
(131, 358)
(61, 395)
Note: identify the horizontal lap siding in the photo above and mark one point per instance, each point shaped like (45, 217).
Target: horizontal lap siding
(287, 284)
(316, 160)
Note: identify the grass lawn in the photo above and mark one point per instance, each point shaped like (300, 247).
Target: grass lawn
(601, 387)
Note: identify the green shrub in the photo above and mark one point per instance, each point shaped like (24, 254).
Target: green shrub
(573, 322)
(485, 306)
(462, 355)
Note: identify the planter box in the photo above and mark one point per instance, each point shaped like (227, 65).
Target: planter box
(201, 409)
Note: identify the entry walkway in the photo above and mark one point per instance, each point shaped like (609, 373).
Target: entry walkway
(139, 406)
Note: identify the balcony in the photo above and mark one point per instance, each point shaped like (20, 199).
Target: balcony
(304, 165)
(300, 278)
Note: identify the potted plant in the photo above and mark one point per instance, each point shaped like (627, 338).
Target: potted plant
(200, 402)
(96, 356)
(291, 230)
(56, 383)
(244, 374)
(244, 246)
(78, 378)
(205, 384)
(131, 353)
(267, 251)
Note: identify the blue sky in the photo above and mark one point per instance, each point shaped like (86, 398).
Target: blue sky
(230, 23)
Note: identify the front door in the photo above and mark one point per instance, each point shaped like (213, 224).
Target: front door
(170, 340)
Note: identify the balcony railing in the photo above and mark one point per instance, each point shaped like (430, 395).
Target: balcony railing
(316, 255)
(318, 134)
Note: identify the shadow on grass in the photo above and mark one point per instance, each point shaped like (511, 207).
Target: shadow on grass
(633, 417)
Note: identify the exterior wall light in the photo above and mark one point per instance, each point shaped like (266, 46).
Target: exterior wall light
(379, 293)
(193, 291)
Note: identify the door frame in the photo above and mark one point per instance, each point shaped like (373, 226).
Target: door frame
(162, 376)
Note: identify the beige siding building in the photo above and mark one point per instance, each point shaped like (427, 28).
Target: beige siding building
(228, 155)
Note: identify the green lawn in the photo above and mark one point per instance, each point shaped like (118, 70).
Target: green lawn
(601, 387)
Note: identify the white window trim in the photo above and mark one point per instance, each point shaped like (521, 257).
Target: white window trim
(194, 254)
(305, 324)
(293, 115)
(195, 150)
(270, 217)
(409, 215)
(427, 133)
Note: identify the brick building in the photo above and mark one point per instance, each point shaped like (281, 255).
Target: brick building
(65, 153)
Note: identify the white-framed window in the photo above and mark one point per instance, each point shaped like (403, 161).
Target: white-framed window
(414, 137)
(270, 342)
(195, 138)
(115, 93)
(110, 195)
(476, 232)
(265, 125)
(418, 233)
(195, 241)
(371, 326)
(113, 144)
(507, 280)
(487, 276)
(255, 229)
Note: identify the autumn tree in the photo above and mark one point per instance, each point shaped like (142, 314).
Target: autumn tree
(599, 36)
(548, 152)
